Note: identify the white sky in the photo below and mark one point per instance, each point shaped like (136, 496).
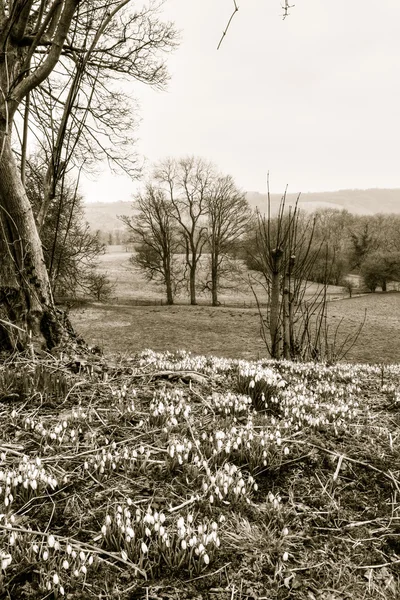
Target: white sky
(313, 99)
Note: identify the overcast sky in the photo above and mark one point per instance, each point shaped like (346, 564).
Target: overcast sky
(313, 99)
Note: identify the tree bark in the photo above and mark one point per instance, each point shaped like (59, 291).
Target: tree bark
(214, 280)
(275, 330)
(168, 285)
(27, 309)
(192, 285)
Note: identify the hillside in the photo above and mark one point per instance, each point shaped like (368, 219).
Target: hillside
(361, 202)
(103, 215)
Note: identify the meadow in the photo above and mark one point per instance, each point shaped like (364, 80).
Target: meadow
(135, 320)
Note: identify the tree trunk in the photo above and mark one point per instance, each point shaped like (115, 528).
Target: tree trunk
(214, 280)
(286, 319)
(275, 330)
(192, 285)
(27, 310)
(168, 285)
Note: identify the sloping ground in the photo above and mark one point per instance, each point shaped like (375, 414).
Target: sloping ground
(171, 476)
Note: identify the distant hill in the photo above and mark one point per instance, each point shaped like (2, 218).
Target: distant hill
(360, 202)
(103, 215)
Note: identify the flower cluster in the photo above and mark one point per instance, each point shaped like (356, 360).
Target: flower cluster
(392, 393)
(182, 451)
(149, 539)
(259, 382)
(229, 404)
(112, 459)
(227, 484)
(167, 408)
(60, 564)
(124, 401)
(184, 361)
(246, 444)
(67, 431)
(24, 481)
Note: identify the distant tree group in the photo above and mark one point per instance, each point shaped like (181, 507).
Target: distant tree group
(188, 211)
(343, 244)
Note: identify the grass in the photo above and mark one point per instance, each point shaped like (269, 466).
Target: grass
(235, 332)
(133, 322)
(177, 476)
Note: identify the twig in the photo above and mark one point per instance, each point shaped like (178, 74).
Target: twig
(235, 10)
(208, 574)
(186, 503)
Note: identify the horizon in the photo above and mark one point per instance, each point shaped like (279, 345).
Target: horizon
(288, 193)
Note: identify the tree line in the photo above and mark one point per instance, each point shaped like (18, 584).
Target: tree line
(193, 228)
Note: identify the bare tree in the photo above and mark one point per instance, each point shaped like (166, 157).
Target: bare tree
(228, 217)
(188, 185)
(154, 233)
(295, 319)
(35, 38)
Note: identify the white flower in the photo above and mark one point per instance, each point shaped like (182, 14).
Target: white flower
(285, 556)
(51, 541)
(6, 560)
(56, 579)
(206, 559)
(144, 548)
(65, 564)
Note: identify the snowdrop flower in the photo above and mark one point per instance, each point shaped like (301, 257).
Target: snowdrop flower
(144, 548)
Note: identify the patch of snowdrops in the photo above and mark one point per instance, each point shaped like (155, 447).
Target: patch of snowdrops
(67, 431)
(305, 395)
(228, 403)
(227, 485)
(23, 481)
(184, 361)
(60, 565)
(124, 401)
(168, 408)
(150, 538)
(113, 458)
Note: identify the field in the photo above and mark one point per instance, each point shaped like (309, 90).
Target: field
(234, 332)
(131, 286)
(173, 477)
(135, 320)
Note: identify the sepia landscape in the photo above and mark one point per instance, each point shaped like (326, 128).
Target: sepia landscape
(199, 367)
